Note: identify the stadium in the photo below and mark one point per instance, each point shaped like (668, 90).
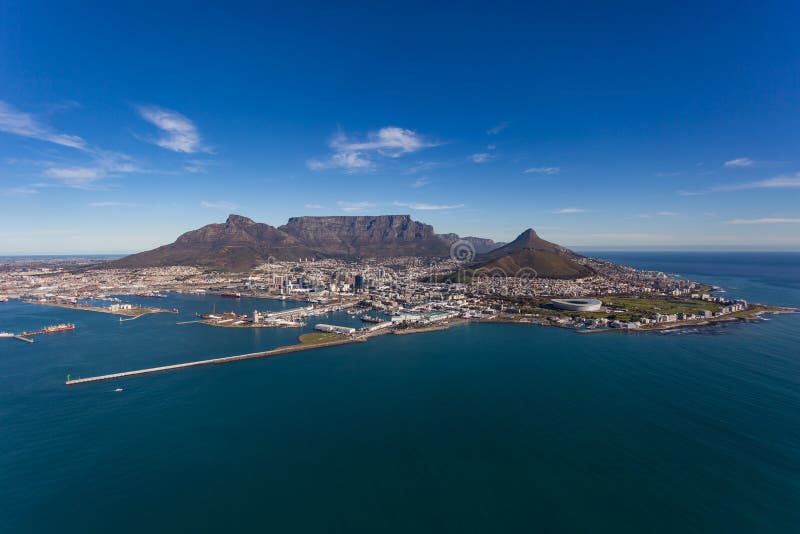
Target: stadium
(581, 305)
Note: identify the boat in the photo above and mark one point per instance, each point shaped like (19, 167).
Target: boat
(231, 295)
(371, 319)
(6, 334)
(58, 328)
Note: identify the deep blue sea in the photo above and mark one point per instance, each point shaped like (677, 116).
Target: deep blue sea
(481, 428)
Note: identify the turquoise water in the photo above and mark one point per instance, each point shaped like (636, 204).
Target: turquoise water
(482, 428)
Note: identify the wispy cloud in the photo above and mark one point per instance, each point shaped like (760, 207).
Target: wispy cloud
(313, 206)
(784, 181)
(667, 174)
(102, 164)
(19, 191)
(422, 206)
(667, 214)
(420, 182)
(766, 220)
(740, 162)
(353, 207)
(390, 141)
(75, 175)
(350, 161)
(636, 236)
(219, 205)
(497, 128)
(542, 170)
(356, 155)
(24, 124)
(423, 166)
(481, 157)
(110, 204)
(178, 133)
(564, 211)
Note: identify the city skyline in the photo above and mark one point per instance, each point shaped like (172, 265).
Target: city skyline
(480, 122)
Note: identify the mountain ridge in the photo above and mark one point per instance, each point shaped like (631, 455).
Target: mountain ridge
(240, 244)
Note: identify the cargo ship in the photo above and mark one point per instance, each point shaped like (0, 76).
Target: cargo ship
(58, 328)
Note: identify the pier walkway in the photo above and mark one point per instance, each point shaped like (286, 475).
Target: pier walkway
(212, 361)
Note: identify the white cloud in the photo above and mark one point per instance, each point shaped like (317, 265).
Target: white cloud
(219, 205)
(353, 156)
(420, 182)
(667, 174)
(313, 206)
(390, 141)
(740, 162)
(766, 220)
(23, 124)
(666, 213)
(351, 207)
(543, 170)
(178, 133)
(350, 161)
(481, 157)
(563, 211)
(421, 206)
(497, 128)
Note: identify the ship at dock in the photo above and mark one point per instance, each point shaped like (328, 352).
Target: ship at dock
(65, 327)
(371, 319)
(231, 295)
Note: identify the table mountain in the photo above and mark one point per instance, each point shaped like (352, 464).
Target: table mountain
(366, 236)
(241, 243)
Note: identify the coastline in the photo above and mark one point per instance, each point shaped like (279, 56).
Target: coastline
(363, 338)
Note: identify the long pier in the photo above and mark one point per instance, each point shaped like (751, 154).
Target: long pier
(212, 361)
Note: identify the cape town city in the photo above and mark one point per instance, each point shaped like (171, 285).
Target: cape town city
(427, 267)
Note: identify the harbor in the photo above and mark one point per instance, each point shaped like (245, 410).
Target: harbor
(26, 336)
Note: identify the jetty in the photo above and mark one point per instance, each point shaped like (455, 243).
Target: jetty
(212, 361)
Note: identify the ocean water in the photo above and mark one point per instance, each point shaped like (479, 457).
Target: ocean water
(481, 428)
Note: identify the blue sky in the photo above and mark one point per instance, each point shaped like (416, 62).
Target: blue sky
(615, 126)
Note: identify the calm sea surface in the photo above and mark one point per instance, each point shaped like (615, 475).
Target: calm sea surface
(482, 428)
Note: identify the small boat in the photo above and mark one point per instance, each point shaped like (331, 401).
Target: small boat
(231, 295)
(118, 390)
(6, 334)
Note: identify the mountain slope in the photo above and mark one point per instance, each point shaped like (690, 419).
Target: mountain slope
(237, 244)
(529, 251)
